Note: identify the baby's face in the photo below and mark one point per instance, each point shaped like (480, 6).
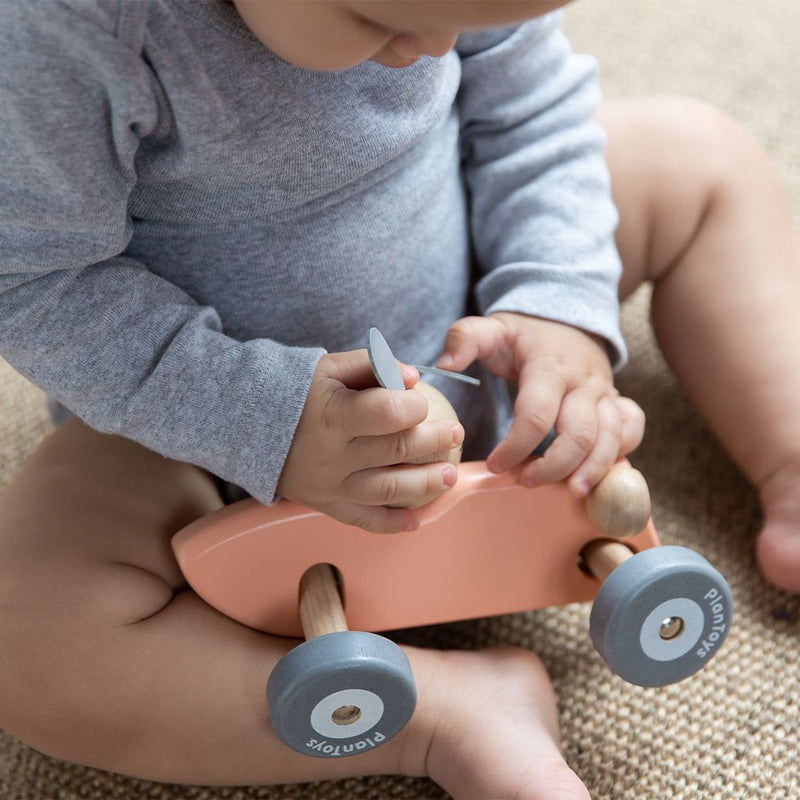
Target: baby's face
(336, 34)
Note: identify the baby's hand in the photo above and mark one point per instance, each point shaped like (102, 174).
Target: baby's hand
(347, 454)
(564, 381)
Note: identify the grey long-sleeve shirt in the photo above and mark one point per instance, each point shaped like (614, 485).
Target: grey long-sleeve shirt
(187, 222)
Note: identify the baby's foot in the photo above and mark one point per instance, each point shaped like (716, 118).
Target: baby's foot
(494, 727)
(778, 548)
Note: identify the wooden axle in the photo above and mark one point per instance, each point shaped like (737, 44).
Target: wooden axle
(321, 609)
(601, 557)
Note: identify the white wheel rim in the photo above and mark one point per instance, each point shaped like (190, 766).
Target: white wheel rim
(660, 649)
(369, 704)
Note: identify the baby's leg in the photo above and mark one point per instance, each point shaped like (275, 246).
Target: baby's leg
(108, 659)
(704, 217)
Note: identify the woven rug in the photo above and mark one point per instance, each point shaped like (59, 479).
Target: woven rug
(731, 731)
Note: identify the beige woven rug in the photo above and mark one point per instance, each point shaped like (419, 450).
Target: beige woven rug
(732, 730)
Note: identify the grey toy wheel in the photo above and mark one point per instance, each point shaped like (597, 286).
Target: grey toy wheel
(341, 694)
(661, 615)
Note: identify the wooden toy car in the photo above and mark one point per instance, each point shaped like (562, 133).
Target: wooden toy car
(488, 546)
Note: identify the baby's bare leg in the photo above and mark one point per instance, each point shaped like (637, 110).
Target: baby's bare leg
(107, 659)
(704, 217)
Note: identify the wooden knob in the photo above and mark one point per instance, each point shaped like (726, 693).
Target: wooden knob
(620, 504)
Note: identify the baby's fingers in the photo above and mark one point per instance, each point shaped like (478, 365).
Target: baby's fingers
(423, 441)
(404, 485)
(535, 412)
(580, 430)
(606, 451)
(376, 412)
(376, 519)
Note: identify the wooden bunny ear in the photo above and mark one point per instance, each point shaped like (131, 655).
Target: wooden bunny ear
(388, 374)
(383, 362)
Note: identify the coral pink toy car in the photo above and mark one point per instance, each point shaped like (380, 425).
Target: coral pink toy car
(488, 546)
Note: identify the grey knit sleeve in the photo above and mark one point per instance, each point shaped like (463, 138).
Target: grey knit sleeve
(542, 217)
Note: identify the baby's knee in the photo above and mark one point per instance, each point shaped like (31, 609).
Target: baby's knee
(687, 139)
(679, 167)
(717, 153)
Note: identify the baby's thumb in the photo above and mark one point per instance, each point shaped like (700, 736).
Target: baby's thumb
(353, 370)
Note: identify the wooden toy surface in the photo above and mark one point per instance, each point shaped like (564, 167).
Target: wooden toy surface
(488, 546)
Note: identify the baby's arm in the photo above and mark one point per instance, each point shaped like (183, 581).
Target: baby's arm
(81, 315)
(132, 353)
(542, 217)
(543, 227)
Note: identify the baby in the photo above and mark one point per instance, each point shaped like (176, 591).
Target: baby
(205, 207)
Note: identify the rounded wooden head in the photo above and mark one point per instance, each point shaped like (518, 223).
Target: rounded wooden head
(620, 504)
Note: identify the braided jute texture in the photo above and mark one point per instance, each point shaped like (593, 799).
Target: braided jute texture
(731, 731)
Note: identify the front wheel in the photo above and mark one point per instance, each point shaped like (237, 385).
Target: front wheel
(661, 616)
(341, 694)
